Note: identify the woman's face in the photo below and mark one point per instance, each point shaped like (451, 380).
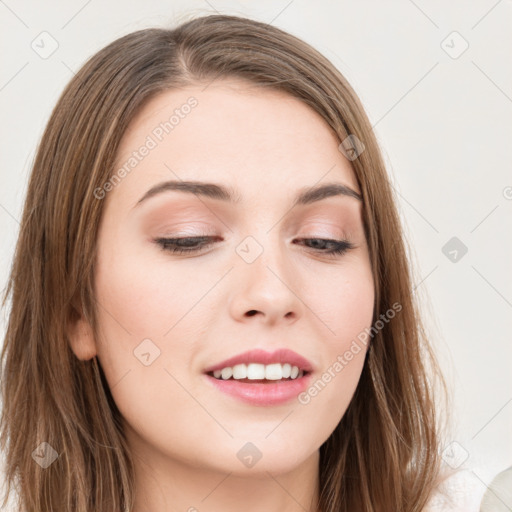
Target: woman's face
(261, 279)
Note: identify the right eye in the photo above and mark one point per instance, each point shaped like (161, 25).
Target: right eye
(184, 245)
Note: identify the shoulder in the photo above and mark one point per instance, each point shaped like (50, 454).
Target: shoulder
(457, 491)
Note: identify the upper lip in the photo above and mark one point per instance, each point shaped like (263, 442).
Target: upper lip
(261, 356)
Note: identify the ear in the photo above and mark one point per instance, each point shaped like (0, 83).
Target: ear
(80, 336)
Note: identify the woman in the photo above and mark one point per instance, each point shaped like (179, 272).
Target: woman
(211, 301)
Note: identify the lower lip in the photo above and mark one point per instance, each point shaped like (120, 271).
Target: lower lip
(263, 394)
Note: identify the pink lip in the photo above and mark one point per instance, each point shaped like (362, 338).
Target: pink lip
(260, 356)
(262, 394)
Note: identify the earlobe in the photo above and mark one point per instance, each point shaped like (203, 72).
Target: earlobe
(81, 338)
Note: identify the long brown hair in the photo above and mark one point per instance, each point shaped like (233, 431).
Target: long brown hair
(384, 453)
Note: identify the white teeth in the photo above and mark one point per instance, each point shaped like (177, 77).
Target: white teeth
(273, 371)
(239, 371)
(256, 371)
(227, 373)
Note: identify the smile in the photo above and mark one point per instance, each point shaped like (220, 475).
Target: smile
(259, 372)
(262, 378)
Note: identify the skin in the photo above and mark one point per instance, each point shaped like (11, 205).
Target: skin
(186, 434)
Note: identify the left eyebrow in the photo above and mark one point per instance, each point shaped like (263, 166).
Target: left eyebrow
(305, 196)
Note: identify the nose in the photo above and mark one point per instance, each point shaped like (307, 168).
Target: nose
(267, 289)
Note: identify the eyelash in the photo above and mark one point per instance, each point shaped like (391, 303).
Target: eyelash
(172, 245)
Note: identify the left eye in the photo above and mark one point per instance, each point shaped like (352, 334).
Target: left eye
(331, 247)
(193, 244)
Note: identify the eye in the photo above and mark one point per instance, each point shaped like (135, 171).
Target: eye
(187, 245)
(331, 247)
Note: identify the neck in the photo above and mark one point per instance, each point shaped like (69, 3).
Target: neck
(174, 485)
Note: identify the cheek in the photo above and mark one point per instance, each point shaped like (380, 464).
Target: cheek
(144, 296)
(142, 303)
(343, 300)
(344, 303)
(140, 307)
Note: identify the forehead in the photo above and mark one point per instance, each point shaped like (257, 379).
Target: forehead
(255, 139)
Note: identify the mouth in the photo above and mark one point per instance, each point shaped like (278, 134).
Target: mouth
(261, 378)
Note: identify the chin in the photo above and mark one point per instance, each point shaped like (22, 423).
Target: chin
(258, 458)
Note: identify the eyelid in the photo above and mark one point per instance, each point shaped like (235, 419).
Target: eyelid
(323, 226)
(189, 230)
(338, 234)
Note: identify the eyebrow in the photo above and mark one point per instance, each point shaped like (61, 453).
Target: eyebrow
(305, 196)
